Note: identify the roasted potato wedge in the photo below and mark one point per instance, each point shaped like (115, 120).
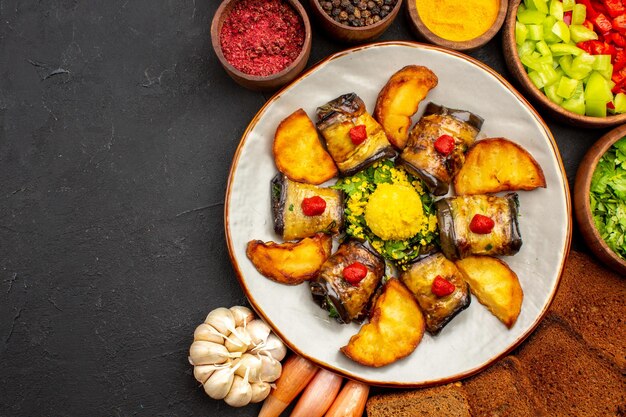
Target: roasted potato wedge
(394, 331)
(497, 164)
(399, 99)
(299, 153)
(290, 263)
(495, 285)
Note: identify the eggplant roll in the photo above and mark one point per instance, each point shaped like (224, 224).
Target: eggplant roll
(420, 156)
(457, 241)
(333, 293)
(290, 221)
(419, 279)
(336, 118)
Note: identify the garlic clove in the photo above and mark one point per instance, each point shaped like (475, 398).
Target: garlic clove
(260, 391)
(240, 392)
(251, 364)
(270, 369)
(238, 341)
(274, 347)
(258, 331)
(203, 372)
(222, 320)
(243, 315)
(208, 333)
(219, 383)
(207, 353)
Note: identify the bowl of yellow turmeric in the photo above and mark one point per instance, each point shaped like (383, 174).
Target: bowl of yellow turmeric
(460, 25)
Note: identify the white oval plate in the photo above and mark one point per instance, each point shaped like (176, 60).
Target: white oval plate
(475, 338)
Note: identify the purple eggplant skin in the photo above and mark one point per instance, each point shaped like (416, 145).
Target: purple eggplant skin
(289, 220)
(454, 215)
(333, 293)
(336, 118)
(438, 311)
(420, 157)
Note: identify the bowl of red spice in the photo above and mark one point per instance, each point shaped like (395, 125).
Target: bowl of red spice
(355, 21)
(262, 44)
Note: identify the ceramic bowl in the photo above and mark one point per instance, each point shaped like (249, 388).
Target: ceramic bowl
(517, 70)
(582, 203)
(261, 83)
(350, 34)
(422, 32)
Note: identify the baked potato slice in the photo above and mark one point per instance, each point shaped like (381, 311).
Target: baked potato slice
(394, 331)
(292, 262)
(299, 153)
(399, 99)
(497, 164)
(495, 285)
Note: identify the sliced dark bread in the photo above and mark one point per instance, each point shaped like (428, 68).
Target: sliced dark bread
(570, 378)
(591, 299)
(448, 400)
(503, 390)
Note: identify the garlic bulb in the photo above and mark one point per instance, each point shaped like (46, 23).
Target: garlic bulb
(240, 392)
(270, 369)
(208, 353)
(260, 391)
(274, 347)
(208, 333)
(235, 356)
(243, 315)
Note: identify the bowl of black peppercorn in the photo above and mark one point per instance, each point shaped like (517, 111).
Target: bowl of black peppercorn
(355, 21)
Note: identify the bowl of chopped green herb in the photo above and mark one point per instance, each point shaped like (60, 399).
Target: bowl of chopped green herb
(600, 198)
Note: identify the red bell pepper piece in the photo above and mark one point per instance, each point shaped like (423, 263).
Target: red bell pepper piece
(614, 7)
(591, 11)
(594, 47)
(619, 60)
(602, 23)
(617, 39)
(567, 18)
(610, 105)
(619, 23)
(588, 24)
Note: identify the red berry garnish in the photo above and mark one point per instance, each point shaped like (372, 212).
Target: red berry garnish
(354, 273)
(444, 144)
(358, 134)
(481, 225)
(442, 287)
(313, 206)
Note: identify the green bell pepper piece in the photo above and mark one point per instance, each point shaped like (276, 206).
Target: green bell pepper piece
(521, 33)
(531, 17)
(550, 91)
(568, 5)
(567, 87)
(620, 103)
(535, 32)
(556, 9)
(598, 89)
(543, 48)
(561, 30)
(560, 49)
(576, 103)
(579, 33)
(595, 108)
(579, 14)
(548, 36)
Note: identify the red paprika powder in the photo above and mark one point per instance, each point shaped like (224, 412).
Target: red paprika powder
(262, 37)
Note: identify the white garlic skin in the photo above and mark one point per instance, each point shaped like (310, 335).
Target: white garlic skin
(260, 391)
(207, 353)
(219, 383)
(258, 331)
(203, 372)
(251, 364)
(222, 320)
(275, 348)
(207, 333)
(238, 341)
(270, 369)
(243, 315)
(240, 393)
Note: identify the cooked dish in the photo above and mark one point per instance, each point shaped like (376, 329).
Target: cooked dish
(456, 217)
(288, 207)
(348, 301)
(437, 144)
(353, 138)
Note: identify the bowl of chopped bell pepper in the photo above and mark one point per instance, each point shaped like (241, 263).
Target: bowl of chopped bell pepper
(570, 57)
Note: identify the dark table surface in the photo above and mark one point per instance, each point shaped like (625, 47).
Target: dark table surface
(117, 128)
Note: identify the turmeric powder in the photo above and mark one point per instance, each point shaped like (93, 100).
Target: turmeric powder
(458, 20)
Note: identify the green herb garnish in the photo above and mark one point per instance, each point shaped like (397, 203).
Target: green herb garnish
(290, 207)
(608, 197)
(332, 311)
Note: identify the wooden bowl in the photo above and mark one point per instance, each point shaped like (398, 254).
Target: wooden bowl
(350, 34)
(517, 69)
(261, 83)
(582, 205)
(421, 31)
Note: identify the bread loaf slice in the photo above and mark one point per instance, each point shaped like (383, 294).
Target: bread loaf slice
(448, 400)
